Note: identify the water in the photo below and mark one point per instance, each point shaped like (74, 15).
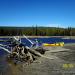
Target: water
(42, 40)
(49, 40)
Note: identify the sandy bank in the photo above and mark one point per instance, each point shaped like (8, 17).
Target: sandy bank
(64, 37)
(60, 55)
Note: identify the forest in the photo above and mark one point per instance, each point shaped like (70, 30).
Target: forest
(37, 31)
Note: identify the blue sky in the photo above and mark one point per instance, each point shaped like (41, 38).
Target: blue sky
(51, 13)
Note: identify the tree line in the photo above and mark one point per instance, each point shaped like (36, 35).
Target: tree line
(37, 31)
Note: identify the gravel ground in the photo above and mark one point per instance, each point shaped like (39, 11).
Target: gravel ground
(53, 65)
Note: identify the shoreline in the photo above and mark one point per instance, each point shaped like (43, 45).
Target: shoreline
(58, 56)
(63, 37)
